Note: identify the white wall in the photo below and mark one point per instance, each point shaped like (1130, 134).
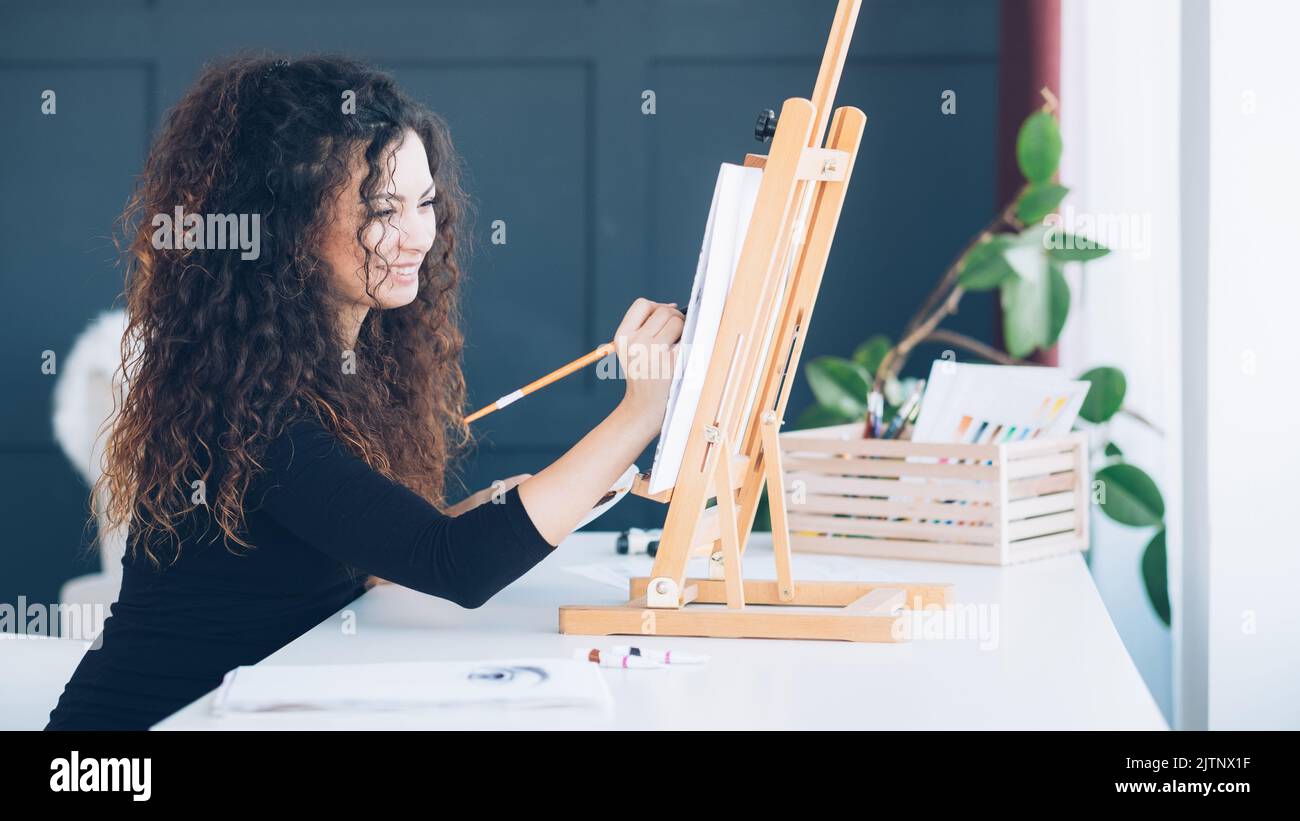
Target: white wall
(1252, 440)
(1190, 113)
(1120, 127)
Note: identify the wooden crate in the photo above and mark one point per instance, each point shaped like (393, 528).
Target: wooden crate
(979, 504)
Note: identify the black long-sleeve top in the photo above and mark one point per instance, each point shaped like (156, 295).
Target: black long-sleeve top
(321, 520)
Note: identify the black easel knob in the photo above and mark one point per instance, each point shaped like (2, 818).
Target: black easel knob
(766, 125)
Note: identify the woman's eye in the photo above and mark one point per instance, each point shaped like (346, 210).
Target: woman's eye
(386, 213)
(427, 203)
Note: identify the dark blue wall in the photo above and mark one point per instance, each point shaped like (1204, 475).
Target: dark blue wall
(602, 203)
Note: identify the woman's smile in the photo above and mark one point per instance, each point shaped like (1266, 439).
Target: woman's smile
(405, 274)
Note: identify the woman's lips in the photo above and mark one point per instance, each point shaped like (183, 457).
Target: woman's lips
(405, 273)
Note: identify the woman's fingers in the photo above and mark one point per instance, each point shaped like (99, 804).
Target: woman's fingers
(660, 323)
(646, 339)
(671, 332)
(635, 317)
(649, 317)
(662, 316)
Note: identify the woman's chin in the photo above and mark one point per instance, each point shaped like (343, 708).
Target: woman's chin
(399, 295)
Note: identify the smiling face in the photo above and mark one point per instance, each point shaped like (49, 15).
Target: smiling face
(402, 227)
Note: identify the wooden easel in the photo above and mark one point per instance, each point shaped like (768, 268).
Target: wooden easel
(803, 185)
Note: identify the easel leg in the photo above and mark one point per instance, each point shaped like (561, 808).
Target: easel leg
(728, 524)
(776, 506)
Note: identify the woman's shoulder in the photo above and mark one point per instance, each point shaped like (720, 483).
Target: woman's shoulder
(297, 424)
(307, 464)
(294, 434)
(301, 443)
(302, 428)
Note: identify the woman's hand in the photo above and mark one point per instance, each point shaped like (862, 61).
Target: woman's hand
(647, 344)
(559, 497)
(497, 490)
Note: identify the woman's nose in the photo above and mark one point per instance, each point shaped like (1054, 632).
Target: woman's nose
(418, 234)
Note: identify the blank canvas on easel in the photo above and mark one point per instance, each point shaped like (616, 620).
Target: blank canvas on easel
(748, 346)
(734, 196)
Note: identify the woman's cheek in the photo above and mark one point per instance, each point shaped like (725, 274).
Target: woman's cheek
(374, 238)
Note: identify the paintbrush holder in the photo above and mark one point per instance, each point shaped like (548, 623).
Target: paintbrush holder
(977, 504)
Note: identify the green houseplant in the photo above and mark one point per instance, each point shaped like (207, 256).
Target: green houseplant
(1022, 254)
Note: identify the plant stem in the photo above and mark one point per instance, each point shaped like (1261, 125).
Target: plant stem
(897, 356)
(942, 301)
(980, 349)
(1141, 420)
(1006, 219)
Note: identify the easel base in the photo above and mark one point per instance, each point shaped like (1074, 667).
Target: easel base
(856, 611)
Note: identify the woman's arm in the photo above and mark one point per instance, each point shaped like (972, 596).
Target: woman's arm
(560, 496)
(496, 492)
(317, 489)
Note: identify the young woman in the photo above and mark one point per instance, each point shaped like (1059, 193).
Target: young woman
(290, 416)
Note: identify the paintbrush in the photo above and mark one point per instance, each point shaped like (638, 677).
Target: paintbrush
(554, 376)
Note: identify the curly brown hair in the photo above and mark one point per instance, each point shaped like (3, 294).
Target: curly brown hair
(221, 353)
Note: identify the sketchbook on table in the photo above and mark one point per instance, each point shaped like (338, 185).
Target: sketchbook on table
(494, 683)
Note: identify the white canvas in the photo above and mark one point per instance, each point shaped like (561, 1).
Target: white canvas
(734, 196)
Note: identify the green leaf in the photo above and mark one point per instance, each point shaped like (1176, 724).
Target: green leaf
(1155, 575)
(1105, 395)
(1067, 247)
(1130, 496)
(872, 352)
(1038, 201)
(839, 384)
(1112, 449)
(1038, 147)
(820, 416)
(985, 267)
(1024, 252)
(1024, 317)
(1028, 315)
(1058, 302)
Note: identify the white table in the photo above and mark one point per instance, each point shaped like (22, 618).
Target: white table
(1055, 660)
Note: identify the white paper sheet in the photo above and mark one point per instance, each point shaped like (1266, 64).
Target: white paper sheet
(506, 683)
(1019, 401)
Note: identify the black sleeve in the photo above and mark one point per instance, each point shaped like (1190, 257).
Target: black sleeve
(327, 496)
